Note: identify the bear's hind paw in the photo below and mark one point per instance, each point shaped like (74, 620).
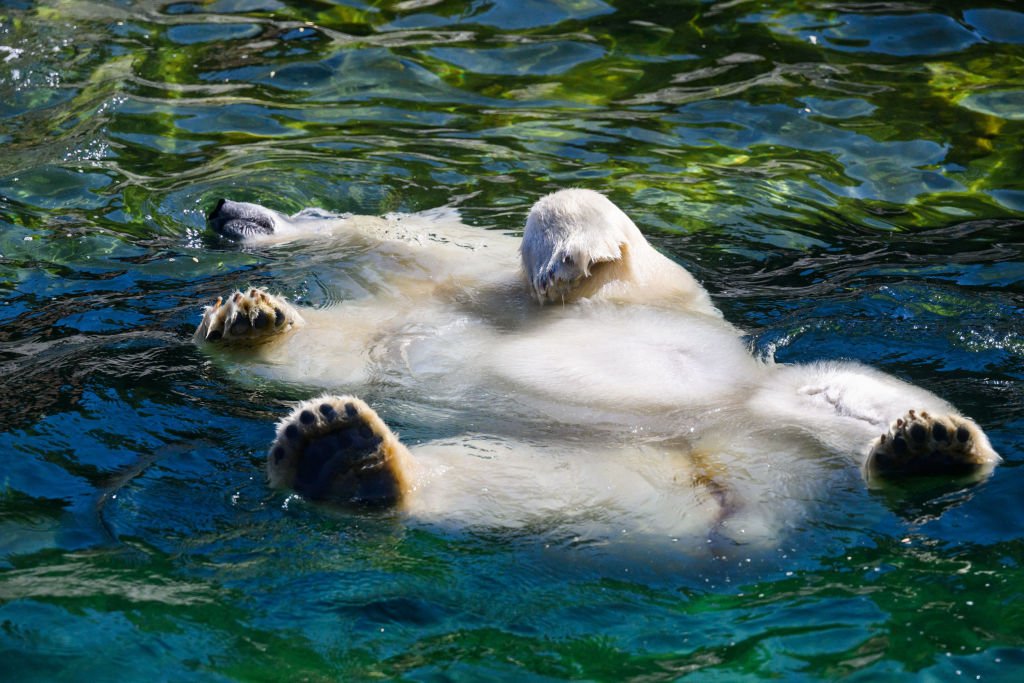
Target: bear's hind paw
(337, 449)
(246, 318)
(920, 444)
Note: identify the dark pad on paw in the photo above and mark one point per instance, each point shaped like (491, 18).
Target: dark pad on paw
(343, 466)
(918, 433)
(240, 326)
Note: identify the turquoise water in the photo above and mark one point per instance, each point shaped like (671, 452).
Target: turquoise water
(846, 179)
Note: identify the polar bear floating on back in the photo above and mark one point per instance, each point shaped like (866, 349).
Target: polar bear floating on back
(586, 382)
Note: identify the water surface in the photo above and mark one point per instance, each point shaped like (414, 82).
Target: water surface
(846, 179)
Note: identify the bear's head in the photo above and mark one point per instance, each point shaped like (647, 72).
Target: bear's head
(577, 242)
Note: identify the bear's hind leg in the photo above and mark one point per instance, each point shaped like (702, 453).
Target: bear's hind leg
(920, 444)
(337, 449)
(246, 318)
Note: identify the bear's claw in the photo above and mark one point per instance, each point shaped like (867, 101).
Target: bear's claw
(920, 444)
(337, 449)
(246, 318)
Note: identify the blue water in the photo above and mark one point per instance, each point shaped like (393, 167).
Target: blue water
(846, 179)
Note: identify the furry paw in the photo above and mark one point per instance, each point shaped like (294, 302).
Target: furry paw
(337, 449)
(920, 444)
(246, 319)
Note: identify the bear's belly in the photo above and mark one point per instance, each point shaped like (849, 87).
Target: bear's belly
(630, 367)
(637, 358)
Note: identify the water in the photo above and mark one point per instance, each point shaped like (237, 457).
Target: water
(844, 177)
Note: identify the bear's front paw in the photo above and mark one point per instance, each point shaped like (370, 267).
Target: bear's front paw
(920, 444)
(247, 318)
(337, 449)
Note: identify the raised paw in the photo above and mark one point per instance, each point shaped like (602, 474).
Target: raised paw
(248, 318)
(337, 449)
(920, 444)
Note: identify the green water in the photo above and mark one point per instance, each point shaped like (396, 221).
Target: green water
(846, 179)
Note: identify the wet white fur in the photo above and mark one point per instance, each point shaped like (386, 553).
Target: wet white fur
(634, 408)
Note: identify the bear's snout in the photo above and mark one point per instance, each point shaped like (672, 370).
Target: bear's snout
(238, 220)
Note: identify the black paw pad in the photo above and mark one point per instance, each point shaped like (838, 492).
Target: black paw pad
(350, 410)
(278, 317)
(899, 445)
(262, 321)
(342, 467)
(940, 432)
(918, 433)
(240, 326)
(292, 432)
(327, 410)
(962, 434)
(278, 454)
(307, 417)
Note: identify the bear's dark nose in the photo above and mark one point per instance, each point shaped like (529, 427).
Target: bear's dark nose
(216, 210)
(238, 220)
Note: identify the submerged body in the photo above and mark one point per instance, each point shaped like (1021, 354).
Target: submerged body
(588, 382)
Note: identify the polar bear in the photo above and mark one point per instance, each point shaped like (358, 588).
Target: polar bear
(581, 380)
